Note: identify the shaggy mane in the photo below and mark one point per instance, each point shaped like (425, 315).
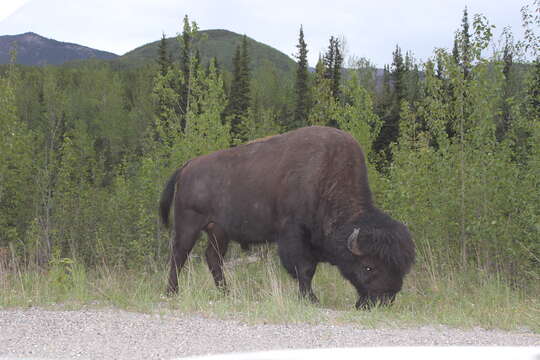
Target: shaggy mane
(387, 239)
(393, 246)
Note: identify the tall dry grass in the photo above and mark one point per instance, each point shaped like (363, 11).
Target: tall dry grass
(261, 291)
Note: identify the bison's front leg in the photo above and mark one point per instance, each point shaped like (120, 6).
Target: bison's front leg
(304, 284)
(299, 261)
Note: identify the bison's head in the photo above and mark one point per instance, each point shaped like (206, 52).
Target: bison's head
(380, 253)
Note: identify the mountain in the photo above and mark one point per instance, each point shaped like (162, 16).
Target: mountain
(212, 43)
(33, 49)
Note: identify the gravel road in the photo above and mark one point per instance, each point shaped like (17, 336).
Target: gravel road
(117, 334)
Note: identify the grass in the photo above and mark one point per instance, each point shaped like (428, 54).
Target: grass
(261, 292)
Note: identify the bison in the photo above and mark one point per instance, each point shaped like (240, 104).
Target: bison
(307, 190)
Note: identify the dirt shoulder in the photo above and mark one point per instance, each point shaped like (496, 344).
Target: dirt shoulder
(118, 334)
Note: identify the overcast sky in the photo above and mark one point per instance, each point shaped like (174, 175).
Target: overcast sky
(371, 28)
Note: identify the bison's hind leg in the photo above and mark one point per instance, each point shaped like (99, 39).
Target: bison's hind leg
(188, 225)
(215, 252)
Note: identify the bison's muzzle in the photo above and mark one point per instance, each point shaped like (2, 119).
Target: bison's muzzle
(367, 302)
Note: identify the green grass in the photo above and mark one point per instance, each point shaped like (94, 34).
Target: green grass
(262, 292)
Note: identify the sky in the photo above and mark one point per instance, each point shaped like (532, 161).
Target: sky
(371, 29)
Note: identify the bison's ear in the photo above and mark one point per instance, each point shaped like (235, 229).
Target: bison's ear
(352, 243)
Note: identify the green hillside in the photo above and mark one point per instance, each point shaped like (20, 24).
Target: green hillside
(36, 50)
(212, 43)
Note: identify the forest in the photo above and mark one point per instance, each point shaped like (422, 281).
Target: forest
(453, 145)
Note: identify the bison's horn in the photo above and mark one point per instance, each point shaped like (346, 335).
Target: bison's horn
(352, 242)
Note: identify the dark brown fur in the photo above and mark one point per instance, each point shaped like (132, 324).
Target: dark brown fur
(307, 190)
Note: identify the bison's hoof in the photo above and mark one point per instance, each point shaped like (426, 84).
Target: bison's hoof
(171, 291)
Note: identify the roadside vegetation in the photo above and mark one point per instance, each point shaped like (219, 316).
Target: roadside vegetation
(260, 291)
(453, 146)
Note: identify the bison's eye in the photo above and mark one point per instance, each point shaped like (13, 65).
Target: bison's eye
(368, 268)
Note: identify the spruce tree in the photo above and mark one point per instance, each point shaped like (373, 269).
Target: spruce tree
(390, 118)
(239, 96)
(328, 60)
(461, 51)
(384, 100)
(386, 83)
(173, 84)
(164, 60)
(245, 78)
(465, 49)
(233, 104)
(462, 56)
(301, 85)
(336, 70)
(186, 68)
(398, 74)
(197, 61)
(164, 80)
(455, 50)
(168, 116)
(333, 61)
(411, 79)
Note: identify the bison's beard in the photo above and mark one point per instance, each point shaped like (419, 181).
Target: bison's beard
(366, 302)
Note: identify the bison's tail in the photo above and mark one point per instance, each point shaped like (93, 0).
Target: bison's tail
(167, 197)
